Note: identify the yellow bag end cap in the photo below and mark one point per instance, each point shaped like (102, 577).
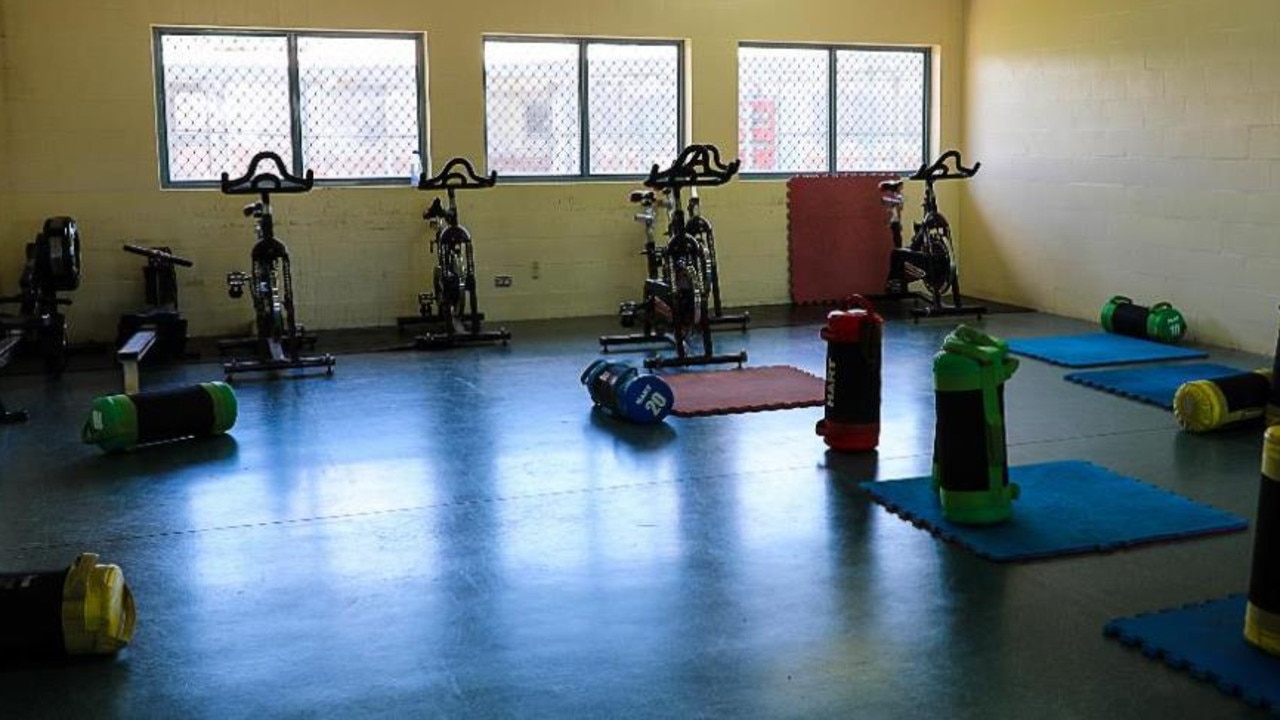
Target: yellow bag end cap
(98, 611)
(1199, 406)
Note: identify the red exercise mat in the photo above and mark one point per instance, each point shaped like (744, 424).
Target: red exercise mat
(722, 392)
(838, 239)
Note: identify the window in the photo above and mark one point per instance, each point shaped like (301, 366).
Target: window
(578, 108)
(347, 106)
(832, 109)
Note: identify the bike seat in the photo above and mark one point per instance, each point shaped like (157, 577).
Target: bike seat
(436, 211)
(641, 196)
(891, 186)
(891, 201)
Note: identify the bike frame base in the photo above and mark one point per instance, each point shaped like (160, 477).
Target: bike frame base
(406, 321)
(897, 297)
(278, 359)
(446, 340)
(455, 332)
(741, 320)
(693, 360)
(607, 341)
(306, 341)
(275, 364)
(925, 308)
(929, 311)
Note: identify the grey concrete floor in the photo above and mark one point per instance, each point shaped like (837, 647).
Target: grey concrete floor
(458, 535)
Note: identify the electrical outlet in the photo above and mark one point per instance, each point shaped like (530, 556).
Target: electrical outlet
(502, 281)
(535, 269)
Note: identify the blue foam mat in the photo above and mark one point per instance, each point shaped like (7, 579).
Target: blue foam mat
(1205, 640)
(1095, 349)
(1066, 507)
(1154, 385)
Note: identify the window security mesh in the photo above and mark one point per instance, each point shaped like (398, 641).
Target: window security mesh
(784, 110)
(345, 106)
(532, 111)
(359, 99)
(226, 98)
(633, 107)
(879, 110)
(581, 108)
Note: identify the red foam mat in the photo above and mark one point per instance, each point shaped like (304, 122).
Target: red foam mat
(722, 392)
(837, 236)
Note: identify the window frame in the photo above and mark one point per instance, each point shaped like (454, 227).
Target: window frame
(158, 33)
(584, 103)
(833, 128)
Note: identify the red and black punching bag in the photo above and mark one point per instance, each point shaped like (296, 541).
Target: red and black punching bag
(852, 418)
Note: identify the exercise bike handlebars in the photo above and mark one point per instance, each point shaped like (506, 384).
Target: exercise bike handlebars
(697, 166)
(453, 178)
(159, 256)
(258, 183)
(939, 170)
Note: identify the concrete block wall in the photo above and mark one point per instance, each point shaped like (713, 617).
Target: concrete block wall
(1128, 146)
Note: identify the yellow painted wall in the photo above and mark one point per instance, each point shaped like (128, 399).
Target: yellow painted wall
(4, 141)
(83, 142)
(1129, 146)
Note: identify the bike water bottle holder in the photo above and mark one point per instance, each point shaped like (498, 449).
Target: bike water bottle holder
(627, 313)
(642, 197)
(236, 281)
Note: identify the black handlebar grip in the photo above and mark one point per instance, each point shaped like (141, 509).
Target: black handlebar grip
(158, 255)
(698, 165)
(453, 178)
(256, 183)
(939, 170)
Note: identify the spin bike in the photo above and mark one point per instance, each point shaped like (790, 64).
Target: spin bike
(653, 326)
(700, 228)
(52, 266)
(930, 256)
(279, 339)
(452, 305)
(680, 296)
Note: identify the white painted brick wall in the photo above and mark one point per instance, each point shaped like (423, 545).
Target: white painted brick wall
(1128, 147)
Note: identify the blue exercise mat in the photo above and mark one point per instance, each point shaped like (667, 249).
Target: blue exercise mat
(1152, 385)
(1206, 641)
(1066, 507)
(1095, 349)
